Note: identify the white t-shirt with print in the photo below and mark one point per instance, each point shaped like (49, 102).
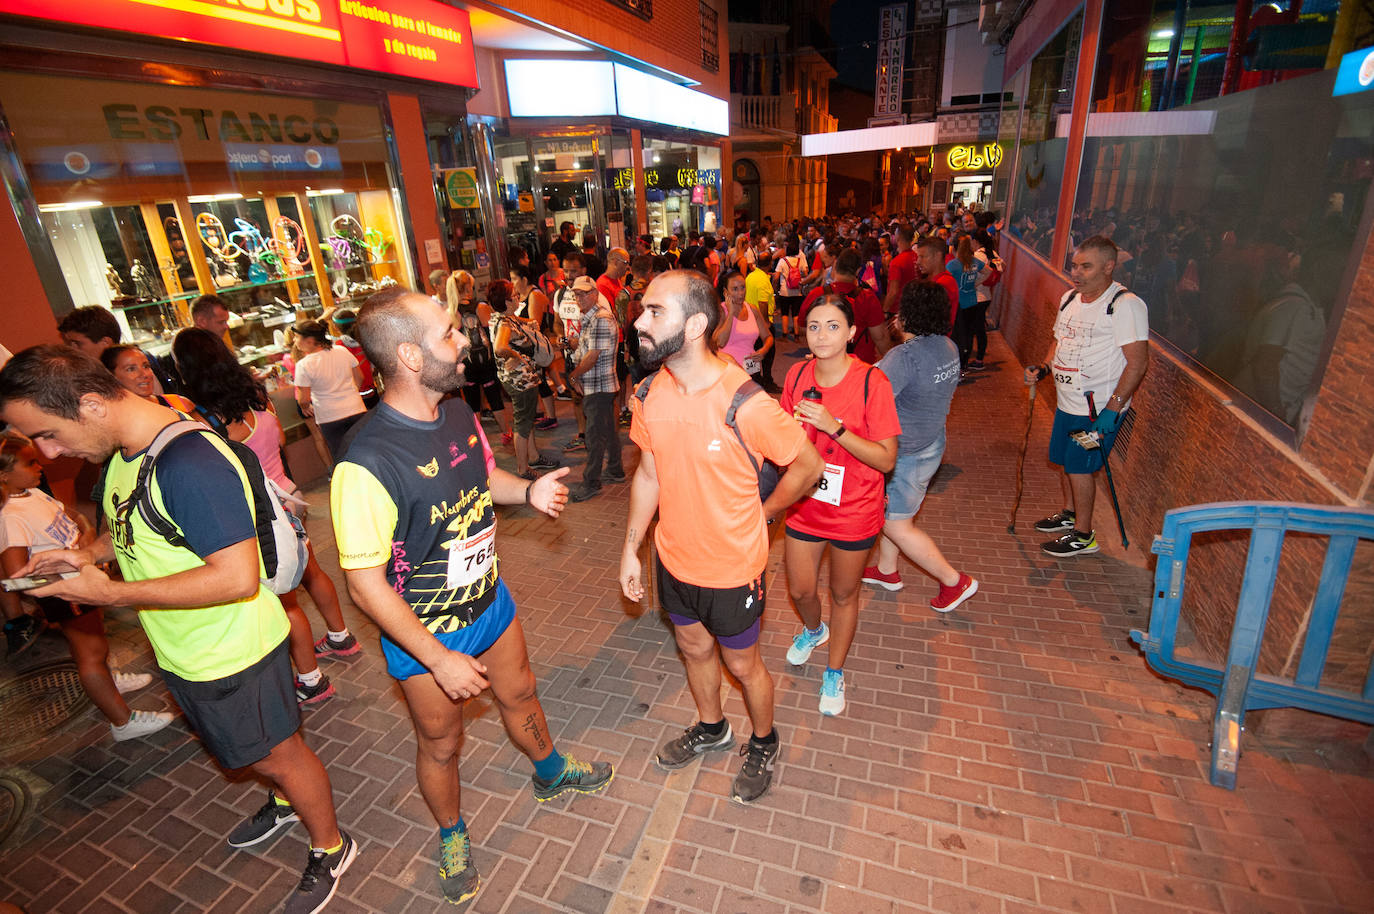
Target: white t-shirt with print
(329, 375)
(36, 521)
(1088, 355)
(784, 267)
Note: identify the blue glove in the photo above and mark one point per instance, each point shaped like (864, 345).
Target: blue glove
(1106, 422)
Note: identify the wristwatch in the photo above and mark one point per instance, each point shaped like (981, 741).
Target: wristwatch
(835, 435)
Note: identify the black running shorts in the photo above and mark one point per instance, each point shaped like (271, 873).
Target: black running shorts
(724, 612)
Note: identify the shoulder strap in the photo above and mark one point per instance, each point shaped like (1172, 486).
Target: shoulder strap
(141, 497)
(747, 389)
(642, 388)
(1111, 305)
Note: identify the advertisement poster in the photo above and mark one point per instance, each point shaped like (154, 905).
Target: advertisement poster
(460, 185)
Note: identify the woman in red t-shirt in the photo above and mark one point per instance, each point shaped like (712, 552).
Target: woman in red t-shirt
(847, 408)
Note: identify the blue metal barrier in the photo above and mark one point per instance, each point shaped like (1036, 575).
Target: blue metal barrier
(1237, 686)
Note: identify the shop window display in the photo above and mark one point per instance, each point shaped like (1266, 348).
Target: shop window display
(153, 194)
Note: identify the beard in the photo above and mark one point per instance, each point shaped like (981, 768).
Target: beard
(652, 357)
(440, 376)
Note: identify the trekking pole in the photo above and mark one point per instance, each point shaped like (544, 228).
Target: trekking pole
(1111, 486)
(1021, 462)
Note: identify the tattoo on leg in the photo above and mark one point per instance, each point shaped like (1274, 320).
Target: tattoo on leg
(531, 726)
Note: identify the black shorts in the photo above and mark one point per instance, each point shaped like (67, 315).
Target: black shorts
(789, 305)
(473, 393)
(862, 545)
(725, 612)
(243, 717)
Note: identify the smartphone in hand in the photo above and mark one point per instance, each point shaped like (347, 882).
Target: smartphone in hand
(34, 581)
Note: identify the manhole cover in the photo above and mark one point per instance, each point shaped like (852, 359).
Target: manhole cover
(39, 701)
(14, 803)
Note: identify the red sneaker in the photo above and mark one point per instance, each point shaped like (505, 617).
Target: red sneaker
(891, 581)
(950, 597)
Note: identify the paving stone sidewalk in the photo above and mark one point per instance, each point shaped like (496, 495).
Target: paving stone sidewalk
(1013, 756)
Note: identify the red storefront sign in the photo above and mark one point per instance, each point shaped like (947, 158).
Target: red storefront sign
(420, 39)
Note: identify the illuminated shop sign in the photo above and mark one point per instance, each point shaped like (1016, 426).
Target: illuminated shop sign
(1356, 73)
(605, 88)
(420, 39)
(663, 178)
(974, 157)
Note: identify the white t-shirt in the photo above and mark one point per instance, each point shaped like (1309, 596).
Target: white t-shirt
(1088, 355)
(329, 375)
(784, 267)
(37, 522)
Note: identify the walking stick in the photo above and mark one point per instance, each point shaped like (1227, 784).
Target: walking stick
(1021, 463)
(1111, 485)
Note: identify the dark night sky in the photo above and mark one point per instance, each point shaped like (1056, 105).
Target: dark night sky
(851, 23)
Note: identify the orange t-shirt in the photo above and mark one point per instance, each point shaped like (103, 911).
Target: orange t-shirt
(710, 520)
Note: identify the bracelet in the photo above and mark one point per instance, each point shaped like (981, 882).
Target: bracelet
(1115, 397)
(527, 493)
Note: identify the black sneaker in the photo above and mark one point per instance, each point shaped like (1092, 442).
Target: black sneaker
(316, 694)
(544, 463)
(321, 877)
(1071, 543)
(975, 364)
(695, 740)
(264, 823)
(21, 633)
(1061, 521)
(458, 876)
(583, 493)
(615, 478)
(328, 647)
(756, 774)
(579, 776)
(544, 425)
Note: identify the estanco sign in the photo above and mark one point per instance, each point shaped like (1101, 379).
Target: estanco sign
(420, 39)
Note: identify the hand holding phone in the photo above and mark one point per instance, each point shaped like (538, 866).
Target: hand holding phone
(34, 581)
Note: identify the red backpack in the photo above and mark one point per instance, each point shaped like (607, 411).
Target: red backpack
(794, 277)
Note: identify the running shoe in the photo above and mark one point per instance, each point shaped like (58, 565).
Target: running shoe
(695, 740)
(545, 424)
(457, 872)
(951, 596)
(1061, 521)
(756, 773)
(616, 478)
(130, 682)
(580, 776)
(21, 633)
(625, 418)
(321, 877)
(544, 463)
(1071, 543)
(312, 695)
(892, 581)
(975, 364)
(832, 692)
(563, 394)
(584, 493)
(577, 444)
(140, 723)
(529, 475)
(263, 824)
(805, 643)
(328, 647)
(507, 437)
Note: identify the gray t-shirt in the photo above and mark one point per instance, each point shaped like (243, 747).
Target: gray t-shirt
(924, 372)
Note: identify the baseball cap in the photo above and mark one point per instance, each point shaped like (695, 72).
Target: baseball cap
(584, 284)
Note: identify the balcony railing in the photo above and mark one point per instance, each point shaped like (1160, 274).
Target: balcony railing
(765, 112)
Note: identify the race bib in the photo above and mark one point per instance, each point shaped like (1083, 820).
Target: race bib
(569, 309)
(831, 485)
(469, 559)
(1070, 378)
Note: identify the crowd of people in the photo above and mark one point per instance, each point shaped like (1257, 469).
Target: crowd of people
(674, 344)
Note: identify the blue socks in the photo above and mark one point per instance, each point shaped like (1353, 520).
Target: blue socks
(459, 829)
(550, 767)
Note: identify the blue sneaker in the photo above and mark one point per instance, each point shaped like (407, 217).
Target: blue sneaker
(832, 692)
(805, 643)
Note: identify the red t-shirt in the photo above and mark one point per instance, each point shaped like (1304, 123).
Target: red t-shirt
(900, 271)
(609, 288)
(868, 312)
(947, 282)
(859, 513)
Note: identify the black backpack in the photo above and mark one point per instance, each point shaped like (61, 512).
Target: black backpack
(479, 353)
(768, 472)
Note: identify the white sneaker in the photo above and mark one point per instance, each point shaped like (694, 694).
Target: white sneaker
(141, 723)
(805, 643)
(832, 692)
(131, 682)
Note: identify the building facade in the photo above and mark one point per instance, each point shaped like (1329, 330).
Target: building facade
(1229, 153)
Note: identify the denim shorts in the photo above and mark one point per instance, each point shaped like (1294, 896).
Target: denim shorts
(906, 488)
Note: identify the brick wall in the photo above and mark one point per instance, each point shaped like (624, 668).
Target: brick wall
(672, 39)
(1190, 447)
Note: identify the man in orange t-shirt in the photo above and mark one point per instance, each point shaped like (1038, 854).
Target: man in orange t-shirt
(712, 534)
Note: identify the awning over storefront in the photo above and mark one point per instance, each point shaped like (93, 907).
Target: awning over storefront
(870, 138)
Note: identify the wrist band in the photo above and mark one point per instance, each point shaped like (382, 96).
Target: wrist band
(527, 493)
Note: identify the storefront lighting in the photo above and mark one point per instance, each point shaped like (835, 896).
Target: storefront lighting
(655, 158)
(212, 198)
(1165, 33)
(576, 164)
(66, 207)
(325, 193)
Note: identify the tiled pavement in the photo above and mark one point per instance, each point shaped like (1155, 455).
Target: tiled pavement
(1014, 756)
